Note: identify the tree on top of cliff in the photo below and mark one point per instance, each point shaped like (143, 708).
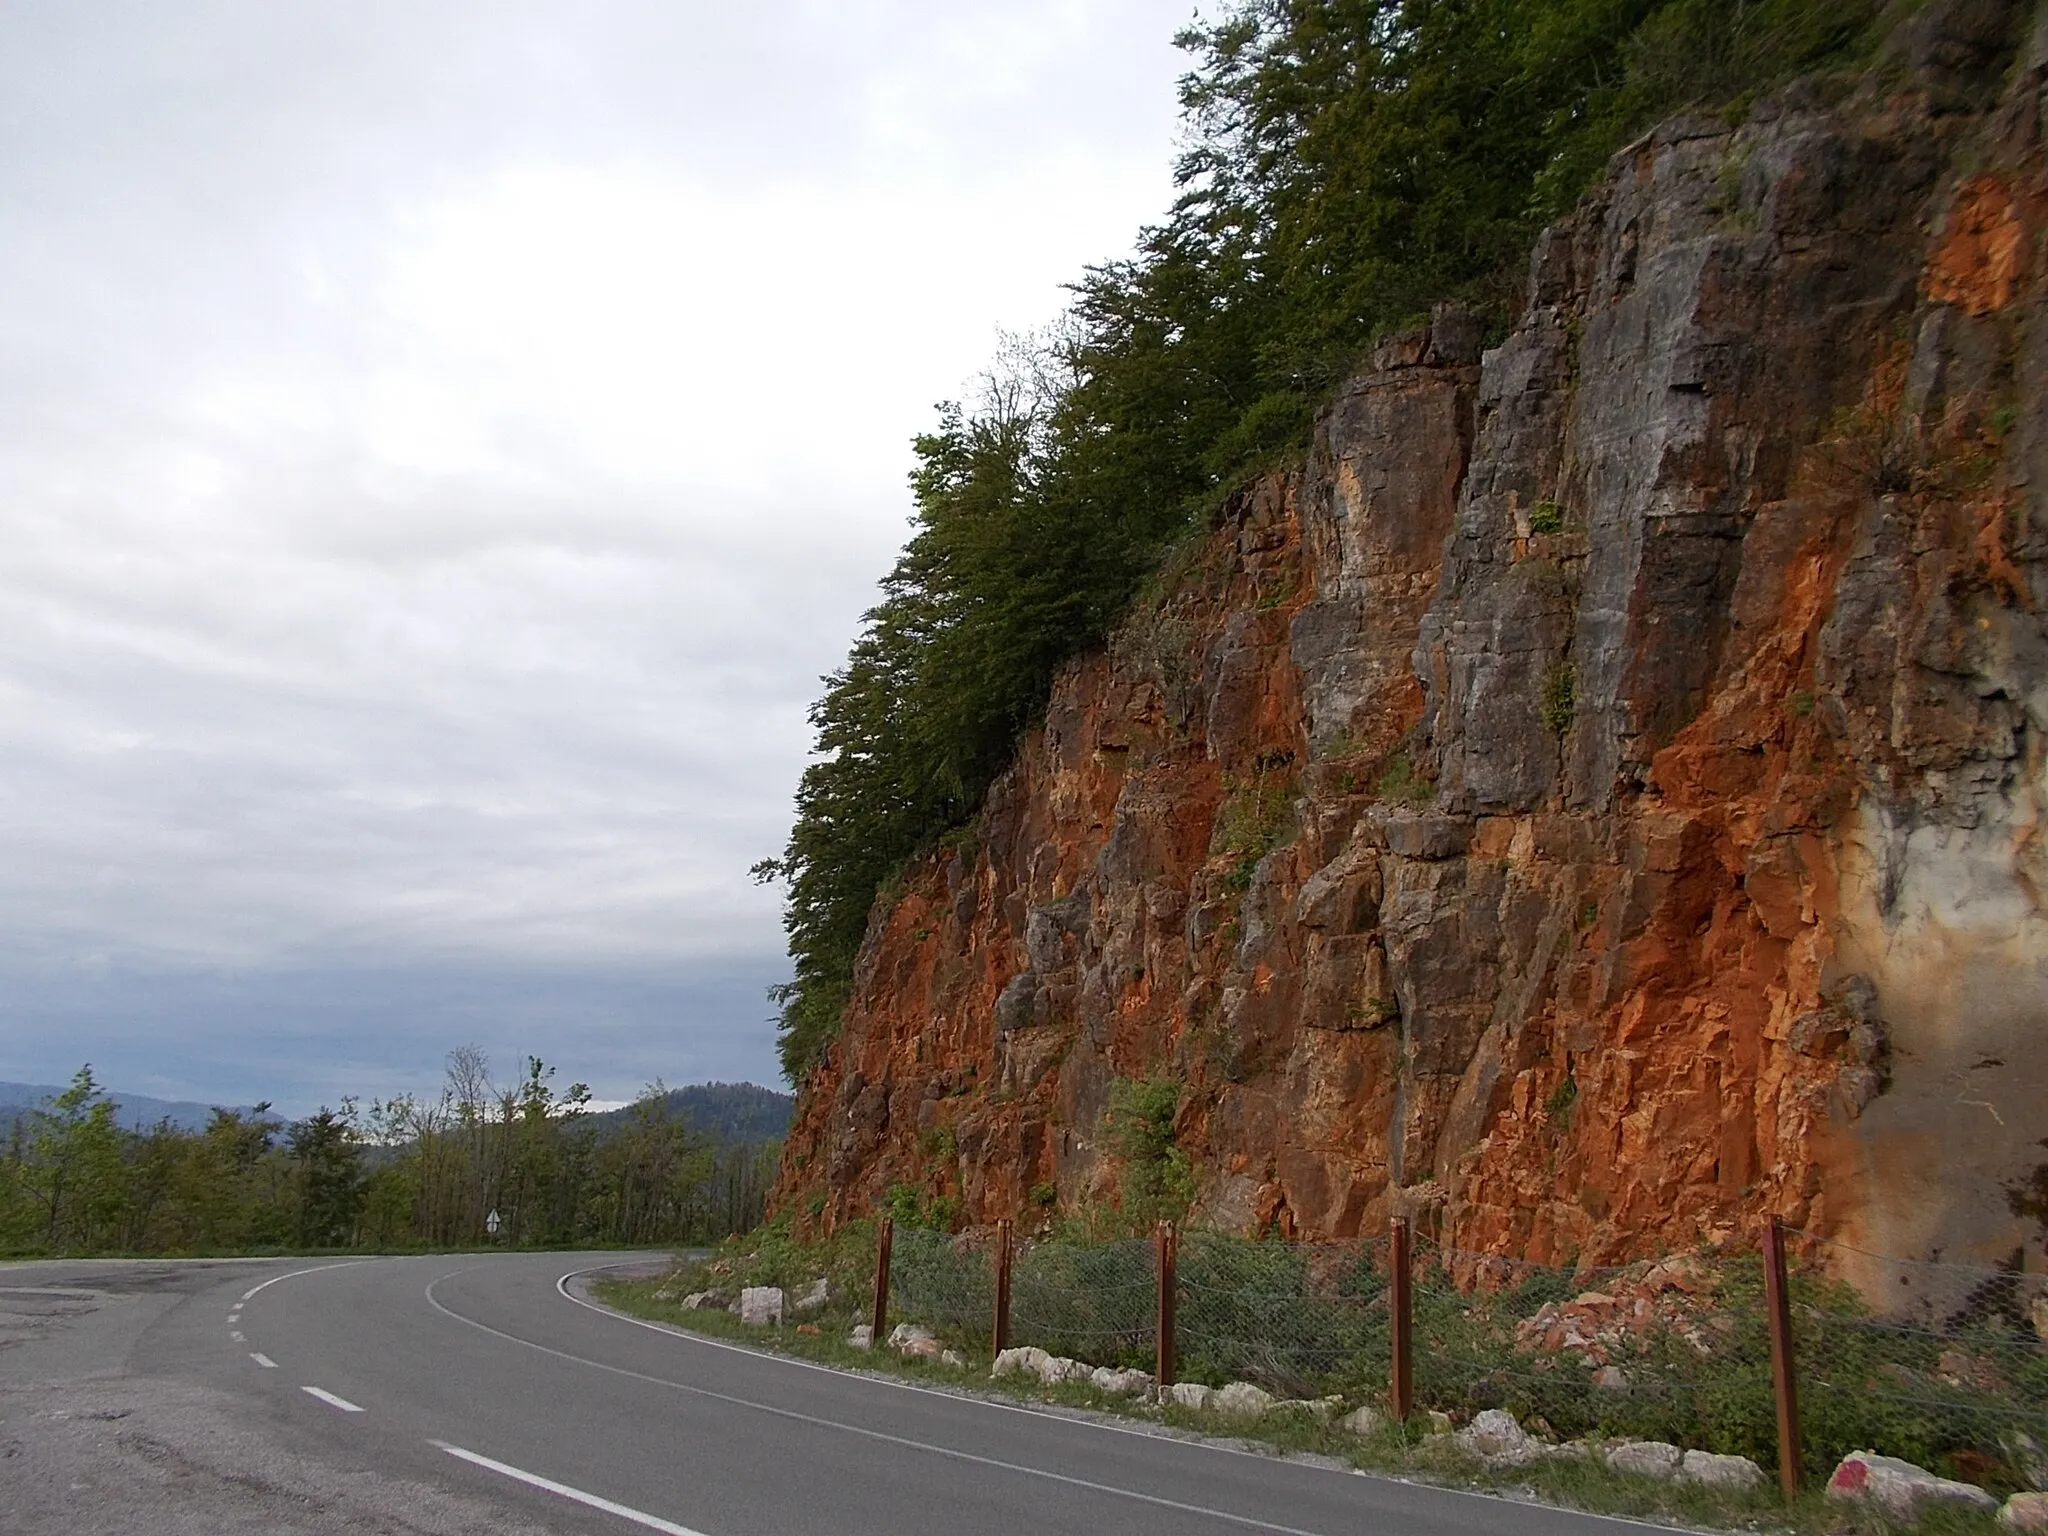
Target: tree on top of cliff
(1350, 162)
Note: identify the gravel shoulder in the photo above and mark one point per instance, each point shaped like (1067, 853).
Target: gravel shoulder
(87, 1447)
(133, 1454)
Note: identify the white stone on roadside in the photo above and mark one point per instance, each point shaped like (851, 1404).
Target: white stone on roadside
(1899, 1487)
(909, 1339)
(1712, 1471)
(1027, 1360)
(1494, 1436)
(1191, 1394)
(1116, 1383)
(761, 1305)
(1646, 1458)
(952, 1357)
(1437, 1422)
(1323, 1408)
(1058, 1369)
(698, 1299)
(813, 1296)
(2027, 1512)
(1363, 1422)
(862, 1337)
(1242, 1400)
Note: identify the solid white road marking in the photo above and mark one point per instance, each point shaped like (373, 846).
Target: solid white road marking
(876, 1434)
(1210, 1446)
(331, 1400)
(534, 1480)
(263, 1360)
(316, 1269)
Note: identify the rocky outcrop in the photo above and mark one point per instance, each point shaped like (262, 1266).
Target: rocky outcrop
(1594, 801)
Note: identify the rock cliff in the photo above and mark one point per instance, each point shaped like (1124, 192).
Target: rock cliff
(1595, 800)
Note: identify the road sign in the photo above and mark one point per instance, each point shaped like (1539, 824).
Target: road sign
(491, 1223)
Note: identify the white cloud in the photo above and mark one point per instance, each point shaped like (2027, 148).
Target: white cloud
(440, 448)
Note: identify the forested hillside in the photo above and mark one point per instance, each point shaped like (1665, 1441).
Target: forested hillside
(135, 1111)
(727, 1111)
(1349, 163)
(684, 1165)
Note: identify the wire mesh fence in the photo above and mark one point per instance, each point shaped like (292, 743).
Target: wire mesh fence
(1095, 1302)
(1943, 1364)
(1676, 1349)
(1296, 1319)
(945, 1284)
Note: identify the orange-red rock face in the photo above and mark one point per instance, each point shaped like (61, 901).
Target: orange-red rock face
(1594, 801)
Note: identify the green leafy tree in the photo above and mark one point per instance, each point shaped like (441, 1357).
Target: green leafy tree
(72, 1173)
(327, 1158)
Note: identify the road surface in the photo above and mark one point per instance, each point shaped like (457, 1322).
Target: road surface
(465, 1393)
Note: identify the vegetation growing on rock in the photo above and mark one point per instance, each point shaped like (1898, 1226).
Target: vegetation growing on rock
(1350, 163)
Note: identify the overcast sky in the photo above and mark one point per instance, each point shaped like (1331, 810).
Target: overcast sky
(441, 446)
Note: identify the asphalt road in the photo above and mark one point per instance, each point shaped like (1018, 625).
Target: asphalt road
(485, 1393)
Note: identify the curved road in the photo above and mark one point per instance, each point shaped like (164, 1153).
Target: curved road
(492, 1380)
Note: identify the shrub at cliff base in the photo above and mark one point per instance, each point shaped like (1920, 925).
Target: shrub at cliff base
(1673, 1350)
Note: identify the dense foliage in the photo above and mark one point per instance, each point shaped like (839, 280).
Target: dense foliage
(400, 1174)
(1349, 163)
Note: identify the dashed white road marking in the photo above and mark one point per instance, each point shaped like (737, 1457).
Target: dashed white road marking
(331, 1400)
(238, 1338)
(563, 1490)
(263, 1360)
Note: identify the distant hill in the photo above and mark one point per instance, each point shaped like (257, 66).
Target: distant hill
(137, 1111)
(729, 1111)
(742, 1112)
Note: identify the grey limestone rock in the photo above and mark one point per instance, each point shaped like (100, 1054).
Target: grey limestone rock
(1737, 1472)
(1901, 1488)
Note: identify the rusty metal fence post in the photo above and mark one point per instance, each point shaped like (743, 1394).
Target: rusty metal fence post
(1167, 1242)
(884, 1237)
(1002, 1321)
(1784, 1375)
(1400, 1308)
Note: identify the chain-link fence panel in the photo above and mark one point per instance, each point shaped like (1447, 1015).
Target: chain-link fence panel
(945, 1284)
(1297, 1319)
(1676, 1350)
(1943, 1364)
(1095, 1302)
